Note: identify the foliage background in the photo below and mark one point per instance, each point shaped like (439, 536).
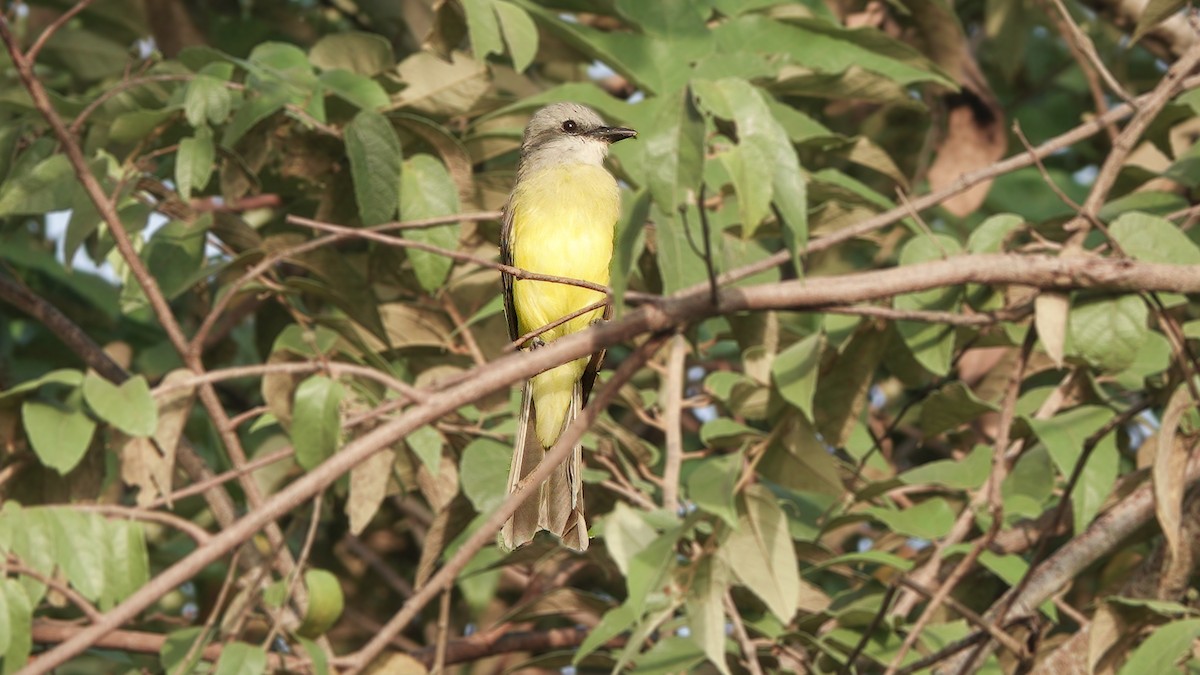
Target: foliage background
(257, 402)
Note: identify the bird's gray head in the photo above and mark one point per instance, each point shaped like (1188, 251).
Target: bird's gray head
(568, 133)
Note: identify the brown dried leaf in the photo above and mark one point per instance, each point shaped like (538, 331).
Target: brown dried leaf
(144, 467)
(368, 488)
(974, 139)
(1169, 476)
(1050, 316)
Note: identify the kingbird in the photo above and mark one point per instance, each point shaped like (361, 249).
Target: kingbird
(560, 220)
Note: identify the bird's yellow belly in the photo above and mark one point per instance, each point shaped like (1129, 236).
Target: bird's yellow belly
(563, 223)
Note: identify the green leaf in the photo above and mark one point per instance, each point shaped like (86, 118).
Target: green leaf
(1107, 333)
(1028, 485)
(426, 443)
(128, 407)
(59, 432)
(207, 101)
(319, 663)
(762, 138)
(1164, 649)
(65, 376)
(426, 191)
(967, 473)
(950, 407)
(194, 162)
(990, 235)
(649, 567)
(706, 609)
(20, 626)
(794, 372)
(325, 603)
(761, 554)
(614, 622)
(628, 243)
(658, 61)
(356, 89)
(797, 459)
(46, 187)
(81, 544)
(723, 432)
(931, 343)
(374, 152)
(680, 250)
(711, 485)
(177, 646)
(1153, 239)
(127, 563)
(239, 658)
(842, 391)
(483, 28)
(822, 46)
(483, 471)
(315, 420)
(358, 52)
(520, 33)
(175, 255)
(1065, 433)
(929, 519)
(5, 623)
(674, 149)
(260, 105)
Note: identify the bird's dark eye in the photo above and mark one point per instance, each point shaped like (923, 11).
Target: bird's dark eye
(570, 127)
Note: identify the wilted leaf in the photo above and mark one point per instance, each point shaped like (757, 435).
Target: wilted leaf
(440, 88)
(1050, 316)
(368, 487)
(1169, 475)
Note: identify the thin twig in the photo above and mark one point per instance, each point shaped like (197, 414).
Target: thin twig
(673, 420)
(749, 652)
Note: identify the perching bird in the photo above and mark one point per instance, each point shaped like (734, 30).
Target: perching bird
(560, 221)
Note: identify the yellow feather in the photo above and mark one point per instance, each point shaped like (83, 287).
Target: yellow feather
(563, 223)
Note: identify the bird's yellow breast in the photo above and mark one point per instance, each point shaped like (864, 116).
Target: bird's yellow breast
(563, 220)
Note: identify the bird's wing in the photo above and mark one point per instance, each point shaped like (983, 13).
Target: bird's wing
(506, 279)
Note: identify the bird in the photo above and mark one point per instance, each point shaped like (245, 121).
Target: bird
(560, 220)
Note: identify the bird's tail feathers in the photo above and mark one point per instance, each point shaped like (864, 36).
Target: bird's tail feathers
(558, 507)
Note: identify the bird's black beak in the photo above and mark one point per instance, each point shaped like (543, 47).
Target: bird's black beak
(613, 134)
